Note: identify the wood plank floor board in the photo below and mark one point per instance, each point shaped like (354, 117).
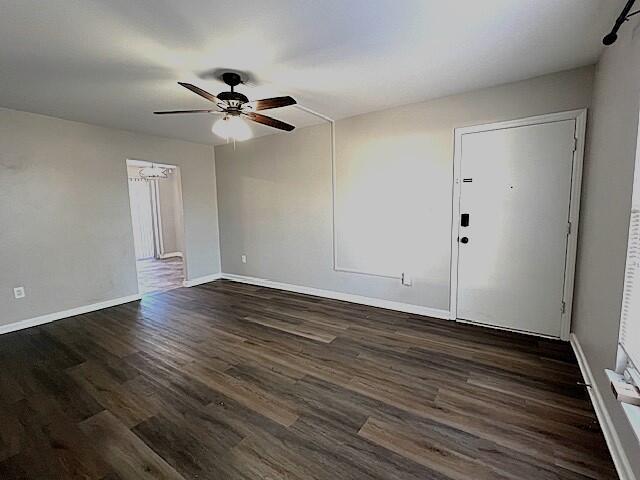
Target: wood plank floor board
(12, 433)
(249, 394)
(457, 457)
(74, 453)
(515, 412)
(192, 454)
(240, 382)
(307, 331)
(121, 399)
(545, 432)
(167, 377)
(324, 401)
(125, 452)
(354, 457)
(449, 461)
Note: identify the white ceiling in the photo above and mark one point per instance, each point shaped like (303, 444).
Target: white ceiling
(113, 62)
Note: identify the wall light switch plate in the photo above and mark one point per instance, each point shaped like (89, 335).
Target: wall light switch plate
(406, 280)
(18, 292)
(244, 258)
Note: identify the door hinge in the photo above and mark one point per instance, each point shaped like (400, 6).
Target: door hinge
(575, 144)
(563, 308)
(568, 228)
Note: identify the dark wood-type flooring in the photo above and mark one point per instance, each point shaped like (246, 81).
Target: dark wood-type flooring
(231, 381)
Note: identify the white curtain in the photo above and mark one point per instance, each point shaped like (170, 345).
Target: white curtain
(142, 218)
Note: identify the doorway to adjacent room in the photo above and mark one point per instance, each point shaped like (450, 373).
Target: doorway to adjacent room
(155, 197)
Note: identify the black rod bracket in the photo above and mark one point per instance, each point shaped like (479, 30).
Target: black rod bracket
(612, 36)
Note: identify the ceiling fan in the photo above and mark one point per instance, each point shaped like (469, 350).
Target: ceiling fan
(235, 106)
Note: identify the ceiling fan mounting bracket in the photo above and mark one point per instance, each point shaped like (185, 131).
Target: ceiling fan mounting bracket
(232, 79)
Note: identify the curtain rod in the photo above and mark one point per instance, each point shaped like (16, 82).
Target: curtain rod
(612, 36)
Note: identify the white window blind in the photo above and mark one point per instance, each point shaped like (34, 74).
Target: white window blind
(630, 314)
(628, 363)
(628, 358)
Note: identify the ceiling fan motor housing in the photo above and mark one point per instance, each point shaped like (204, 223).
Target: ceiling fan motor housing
(233, 99)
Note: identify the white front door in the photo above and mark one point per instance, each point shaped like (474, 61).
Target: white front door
(515, 191)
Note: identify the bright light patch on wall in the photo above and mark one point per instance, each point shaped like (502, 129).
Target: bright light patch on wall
(389, 206)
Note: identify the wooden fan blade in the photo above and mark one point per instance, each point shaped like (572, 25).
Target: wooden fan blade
(271, 122)
(199, 91)
(186, 111)
(266, 103)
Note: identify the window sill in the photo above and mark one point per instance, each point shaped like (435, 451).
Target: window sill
(631, 411)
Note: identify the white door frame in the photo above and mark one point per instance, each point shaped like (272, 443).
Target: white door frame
(580, 116)
(132, 162)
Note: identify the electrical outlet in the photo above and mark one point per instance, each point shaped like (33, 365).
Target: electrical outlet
(18, 292)
(244, 258)
(406, 280)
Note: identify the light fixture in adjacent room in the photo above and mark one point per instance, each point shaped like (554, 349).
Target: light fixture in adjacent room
(232, 127)
(153, 172)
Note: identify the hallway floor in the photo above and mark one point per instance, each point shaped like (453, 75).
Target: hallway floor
(160, 275)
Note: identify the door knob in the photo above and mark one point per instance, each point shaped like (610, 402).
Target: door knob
(464, 240)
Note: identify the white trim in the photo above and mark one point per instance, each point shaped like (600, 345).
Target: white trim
(347, 297)
(632, 412)
(574, 218)
(50, 317)
(332, 124)
(200, 280)
(620, 459)
(156, 215)
(132, 162)
(580, 117)
(520, 122)
(170, 255)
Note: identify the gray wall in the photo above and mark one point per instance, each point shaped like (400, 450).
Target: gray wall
(274, 192)
(64, 211)
(604, 219)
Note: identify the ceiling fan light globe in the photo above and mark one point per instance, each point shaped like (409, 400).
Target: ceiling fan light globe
(232, 127)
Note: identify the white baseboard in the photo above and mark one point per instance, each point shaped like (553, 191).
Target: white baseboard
(200, 280)
(170, 255)
(50, 317)
(347, 297)
(614, 443)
